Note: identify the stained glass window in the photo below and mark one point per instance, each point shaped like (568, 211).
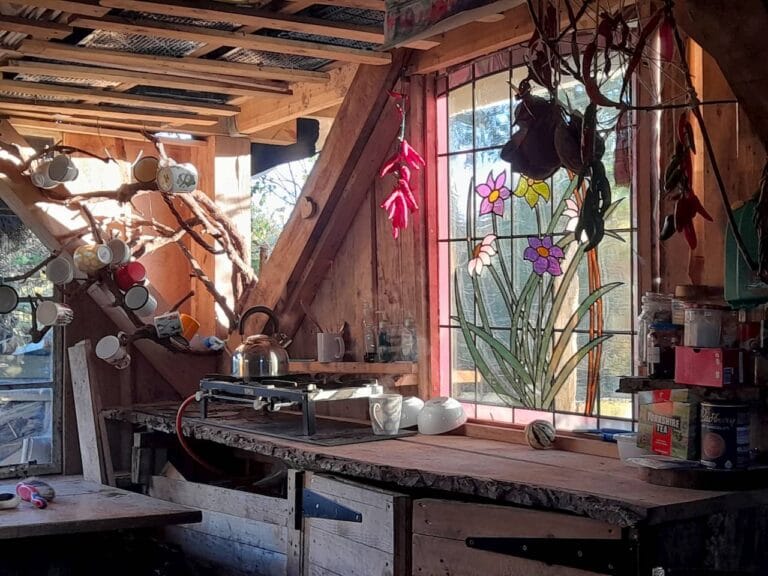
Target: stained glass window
(531, 325)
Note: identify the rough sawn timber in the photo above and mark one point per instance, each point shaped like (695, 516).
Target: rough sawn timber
(590, 486)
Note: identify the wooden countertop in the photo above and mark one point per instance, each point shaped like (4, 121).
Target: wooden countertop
(592, 486)
(82, 506)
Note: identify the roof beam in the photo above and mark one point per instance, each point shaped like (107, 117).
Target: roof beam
(262, 113)
(96, 111)
(379, 5)
(283, 134)
(30, 125)
(163, 64)
(35, 28)
(220, 12)
(99, 96)
(143, 78)
(86, 7)
(235, 39)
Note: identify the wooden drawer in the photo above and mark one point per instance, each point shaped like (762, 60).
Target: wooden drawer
(440, 529)
(377, 546)
(240, 533)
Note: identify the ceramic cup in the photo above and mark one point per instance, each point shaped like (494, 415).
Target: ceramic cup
(62, 169)
(145, 169)
(60, 270)
(9, 299)
(129, 275)
(385, 411)
(41, 178)
(189, 326)
(169, 325)
(412, 405)
(91, 258)
(121, 252)
(177, 178)
(138, 299)
(330, 347)
(54, 314)
(112, 350)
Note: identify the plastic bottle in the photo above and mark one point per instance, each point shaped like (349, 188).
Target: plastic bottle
(385, 344)
(369, 334)
(408, 347)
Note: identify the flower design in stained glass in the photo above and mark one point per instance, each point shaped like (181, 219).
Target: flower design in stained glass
(544, 255)
(481, 255)
(493, 192)
(532, 190)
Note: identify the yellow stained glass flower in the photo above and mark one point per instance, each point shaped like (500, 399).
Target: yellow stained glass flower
(532, 190)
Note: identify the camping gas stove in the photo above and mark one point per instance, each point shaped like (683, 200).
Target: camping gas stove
(296, 391)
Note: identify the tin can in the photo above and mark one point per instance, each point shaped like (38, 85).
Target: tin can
(724, 435)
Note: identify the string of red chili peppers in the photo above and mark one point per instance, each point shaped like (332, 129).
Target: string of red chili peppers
(401, 201)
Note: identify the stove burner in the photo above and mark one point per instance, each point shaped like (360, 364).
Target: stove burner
(300, 391)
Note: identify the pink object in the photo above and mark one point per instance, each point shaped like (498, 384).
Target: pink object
(129, 275)
(30, 494)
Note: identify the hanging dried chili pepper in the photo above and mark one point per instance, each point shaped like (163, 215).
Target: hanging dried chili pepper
(402, 200)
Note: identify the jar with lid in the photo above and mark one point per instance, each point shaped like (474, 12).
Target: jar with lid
(655, 308)
(660, 348)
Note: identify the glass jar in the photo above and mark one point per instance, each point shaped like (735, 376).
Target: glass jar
(654, 308)
(660, 349)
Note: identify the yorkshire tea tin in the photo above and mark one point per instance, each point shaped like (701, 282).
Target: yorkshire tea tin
(724, 435)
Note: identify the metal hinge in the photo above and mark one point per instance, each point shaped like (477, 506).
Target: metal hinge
(617, 557)
(313, 505)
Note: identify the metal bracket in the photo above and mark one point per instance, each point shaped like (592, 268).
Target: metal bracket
(316, 506)
(617, 557)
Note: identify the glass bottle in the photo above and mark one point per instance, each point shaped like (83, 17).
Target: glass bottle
(369, 334)
(408, 347)
(660, 349)
(385, 344)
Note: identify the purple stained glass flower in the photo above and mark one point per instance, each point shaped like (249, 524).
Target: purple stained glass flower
(493, 192)
(544, 255)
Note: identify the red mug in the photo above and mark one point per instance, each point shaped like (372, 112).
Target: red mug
(129, 275)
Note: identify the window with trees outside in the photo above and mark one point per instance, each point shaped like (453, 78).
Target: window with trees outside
(531, 325)
(30, 388)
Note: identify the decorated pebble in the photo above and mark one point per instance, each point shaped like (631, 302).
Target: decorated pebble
(43, 488)
(8, 501)
(540, 434)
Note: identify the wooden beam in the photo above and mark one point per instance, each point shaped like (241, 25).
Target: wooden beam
(110, 113)
(361, 113)
(164, 65)
(217, 85)
(31, 125)
(86, 7)
(220, 12)
(330, 112)
(35, 28)
(260, 114)
(283, 134)
(103, 96)
(379, 5)
(235, 39)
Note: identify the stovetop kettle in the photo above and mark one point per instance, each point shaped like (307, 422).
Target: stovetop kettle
(260, 355)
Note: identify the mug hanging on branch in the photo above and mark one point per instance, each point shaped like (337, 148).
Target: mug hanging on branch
(177, 178)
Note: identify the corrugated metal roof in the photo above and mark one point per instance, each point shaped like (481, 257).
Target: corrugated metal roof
(346, 15)
(274, 59)
(139, 44)
(27, 96)
(206, 97)
(332, 41)
(132, 15)
(64, 80)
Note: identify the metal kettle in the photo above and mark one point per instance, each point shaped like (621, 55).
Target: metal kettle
(260, 355)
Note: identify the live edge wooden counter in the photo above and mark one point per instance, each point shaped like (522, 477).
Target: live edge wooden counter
(595, 487)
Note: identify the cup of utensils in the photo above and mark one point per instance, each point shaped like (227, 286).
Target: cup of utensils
(50, 172)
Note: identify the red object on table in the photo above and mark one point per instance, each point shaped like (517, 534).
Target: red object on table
(129, 275)
(29, 493)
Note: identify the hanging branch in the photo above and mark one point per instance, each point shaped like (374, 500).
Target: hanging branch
(28, 274)
(180, 303)
(64, 150)
(191, 231)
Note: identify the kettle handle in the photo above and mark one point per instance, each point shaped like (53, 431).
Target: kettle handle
(264, 310)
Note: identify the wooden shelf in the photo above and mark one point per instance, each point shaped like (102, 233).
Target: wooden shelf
(630, 384)
(312, 366)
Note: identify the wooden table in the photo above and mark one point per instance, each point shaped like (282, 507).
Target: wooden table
(82, 506)
(592, 486)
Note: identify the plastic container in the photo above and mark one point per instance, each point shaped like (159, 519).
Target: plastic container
(628, 448)
(702, 327)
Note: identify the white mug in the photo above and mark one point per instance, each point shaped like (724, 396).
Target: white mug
(138, 299)
(41, 178)
(62, 169)
(112, 350)
(9, 299)
(145, 169)
(60, 270)
(412, 405)
(54, 314)
(90, 258)
(330, 347)
(177, 178)
(385, 411)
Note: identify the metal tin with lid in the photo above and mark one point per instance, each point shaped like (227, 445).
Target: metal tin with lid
(725, 434)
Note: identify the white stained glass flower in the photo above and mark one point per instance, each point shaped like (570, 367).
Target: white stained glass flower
(481, 255)
(572, 213)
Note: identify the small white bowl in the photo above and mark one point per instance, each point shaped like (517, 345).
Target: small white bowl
(412, 406)
(441, 415)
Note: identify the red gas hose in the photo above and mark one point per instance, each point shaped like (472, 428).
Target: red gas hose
(183, 441)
